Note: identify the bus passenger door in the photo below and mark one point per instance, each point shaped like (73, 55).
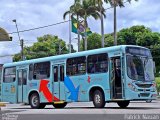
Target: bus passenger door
(58, 82)
(22, 84)
(115, 78)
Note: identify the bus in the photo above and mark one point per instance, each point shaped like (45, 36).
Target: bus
(117, 74)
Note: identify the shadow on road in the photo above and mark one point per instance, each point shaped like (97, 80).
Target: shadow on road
(136, 108)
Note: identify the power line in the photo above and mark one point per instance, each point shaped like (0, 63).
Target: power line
(31, 29)
(40, 27)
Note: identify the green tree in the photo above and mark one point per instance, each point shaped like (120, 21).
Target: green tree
(47, 45)
(93, 41)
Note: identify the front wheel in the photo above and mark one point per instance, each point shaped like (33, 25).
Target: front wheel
(123, 104)
(98, 99)
(62, 105)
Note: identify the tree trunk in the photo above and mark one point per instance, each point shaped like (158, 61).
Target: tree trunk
(85, 34)
(115, 24)
(102, 29)
(70, 33)
(78, 35)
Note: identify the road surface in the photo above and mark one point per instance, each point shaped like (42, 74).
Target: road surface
(82, 111)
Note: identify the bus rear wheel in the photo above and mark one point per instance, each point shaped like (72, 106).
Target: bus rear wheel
(35, 102)
(98, 99)
(62, 105)
(123, 104)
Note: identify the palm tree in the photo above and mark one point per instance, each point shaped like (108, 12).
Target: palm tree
(74, 11)
(99, 4)
(114, 4)
(83, 9)
(87, 10)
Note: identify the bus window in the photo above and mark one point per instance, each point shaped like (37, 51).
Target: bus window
(22, 77)
(56, 74)
(30, 72)
(41, 70)
(9, 75)
(97, 63)
(76, 66)
(62, 72)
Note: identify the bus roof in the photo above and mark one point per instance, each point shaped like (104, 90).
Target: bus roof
(65, 56)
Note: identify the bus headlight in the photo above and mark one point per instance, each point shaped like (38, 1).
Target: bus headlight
(132, 87)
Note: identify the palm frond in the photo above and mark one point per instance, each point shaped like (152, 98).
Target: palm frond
(65, 14)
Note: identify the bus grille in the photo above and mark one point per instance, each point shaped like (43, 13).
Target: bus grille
(144, 94)
(144, 85)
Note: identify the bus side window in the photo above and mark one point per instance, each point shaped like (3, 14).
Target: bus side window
(97, 63)
(55, 73)
(31, 72)
(9, 75)
(76, 66)
(62, 73)
(24, 77)
(41, 70)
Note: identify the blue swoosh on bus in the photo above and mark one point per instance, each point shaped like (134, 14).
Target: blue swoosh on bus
(74, 91)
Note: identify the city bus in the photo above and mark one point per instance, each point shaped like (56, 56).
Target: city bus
(117, 74)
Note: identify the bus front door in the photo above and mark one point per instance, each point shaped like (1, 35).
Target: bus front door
(115, 78)
(22, 85)
(58, 82)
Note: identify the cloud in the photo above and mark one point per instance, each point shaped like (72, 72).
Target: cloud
(35, 13)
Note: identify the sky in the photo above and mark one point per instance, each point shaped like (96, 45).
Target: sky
(36, 13)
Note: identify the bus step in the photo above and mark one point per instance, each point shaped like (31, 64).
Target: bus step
(118, 95)
(118, 89)
(58, 102)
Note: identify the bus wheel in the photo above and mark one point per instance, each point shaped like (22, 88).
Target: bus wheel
(123, 104)
(98, 99)
(62, 105)
(35, 101)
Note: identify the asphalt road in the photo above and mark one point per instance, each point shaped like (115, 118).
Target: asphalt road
(83, 111)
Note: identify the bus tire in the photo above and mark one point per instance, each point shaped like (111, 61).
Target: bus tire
(34, 101)
(123, 104)
(62, 105)
(98, 99)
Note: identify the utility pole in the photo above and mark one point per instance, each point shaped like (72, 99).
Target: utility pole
(59, 47)
(22, 44)
(21, 40)
(115, 22)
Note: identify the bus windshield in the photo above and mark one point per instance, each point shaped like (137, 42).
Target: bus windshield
(140, 64)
